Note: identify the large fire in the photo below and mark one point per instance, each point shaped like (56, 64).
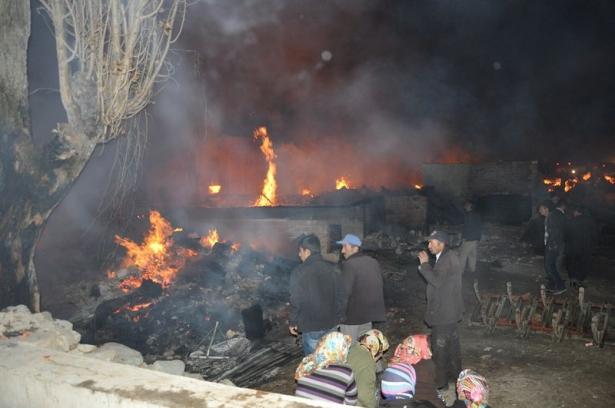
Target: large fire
(155, 258)
(210, 240)
(341, 183)
(270, 187)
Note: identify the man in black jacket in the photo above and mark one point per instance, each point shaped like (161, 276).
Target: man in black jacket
(363, 289)
(444, 307)
(554, 246)
(581, 237)
(315, 295)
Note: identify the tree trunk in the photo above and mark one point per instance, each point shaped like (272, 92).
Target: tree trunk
(33, 179)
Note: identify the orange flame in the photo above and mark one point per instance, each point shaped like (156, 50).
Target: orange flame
(570, 184)
(418, 186)
(587, 176)
(306, 192)
(341, 183)
(215, 189)
(610, 179)
(553, 182)
(155, 257)
(210, 240)
(268, 193)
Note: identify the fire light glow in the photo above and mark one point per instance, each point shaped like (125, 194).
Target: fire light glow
(215, 189)
(210, 240)
(610, 179)
(155, 258)
(268, 196)
(570, 184)
(341, 183)
(556, 182)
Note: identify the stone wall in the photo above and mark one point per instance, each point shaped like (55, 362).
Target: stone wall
(406, 210)
(472, 180)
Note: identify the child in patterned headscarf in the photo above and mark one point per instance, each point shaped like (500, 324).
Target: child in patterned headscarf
(323, 375)
(415, 350)
(362, 357)
(412, 350)
(472, 390)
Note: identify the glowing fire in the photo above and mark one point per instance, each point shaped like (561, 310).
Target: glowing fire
(269, 191)
(418, 186)
(587, 176)
(556, 182)
(306, 192)
(235, 247)
(215, 189)
(610, 179)
(210, 240)
(570, 184)
(155, 257)
(341, 183)
(133, 308)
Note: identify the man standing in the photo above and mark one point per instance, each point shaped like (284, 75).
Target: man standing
(554, 245)
(363, 289)
(444, 307)
(581, 236)
(471, 234)
(315, 291)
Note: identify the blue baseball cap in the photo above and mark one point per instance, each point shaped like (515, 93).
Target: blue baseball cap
(351, 240)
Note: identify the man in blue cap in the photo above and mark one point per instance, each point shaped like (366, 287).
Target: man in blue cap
(363, 287)
(444, 307)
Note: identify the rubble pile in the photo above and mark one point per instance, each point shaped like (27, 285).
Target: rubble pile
(17, 323)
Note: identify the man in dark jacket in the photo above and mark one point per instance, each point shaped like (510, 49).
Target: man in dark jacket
(315, 292)
(444, 307)
(471, 234)
(581, 236)
(554, 246)
(363, 289)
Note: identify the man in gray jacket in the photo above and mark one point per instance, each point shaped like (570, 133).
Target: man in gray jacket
(444, 307)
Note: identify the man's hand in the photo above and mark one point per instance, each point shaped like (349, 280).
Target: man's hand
(294, 330)
(423, 257)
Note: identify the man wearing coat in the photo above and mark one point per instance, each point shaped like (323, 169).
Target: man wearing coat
(363, 289)
(315, 295)
(444, 307)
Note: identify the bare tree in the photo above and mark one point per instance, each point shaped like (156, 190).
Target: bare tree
(111, 54)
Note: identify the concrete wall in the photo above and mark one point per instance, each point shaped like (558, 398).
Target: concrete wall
(407, 210)
(37, 377)
(471, 180)
(449, 179)
(503, 178)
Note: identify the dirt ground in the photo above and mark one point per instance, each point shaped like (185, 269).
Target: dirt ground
(532, 372)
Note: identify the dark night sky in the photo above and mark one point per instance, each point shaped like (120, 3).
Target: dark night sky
(408, 82)
(506, 79)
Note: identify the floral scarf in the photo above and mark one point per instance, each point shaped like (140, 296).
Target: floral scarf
(374, 341)
(331, 349)
(412, 350)
(473, 388)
